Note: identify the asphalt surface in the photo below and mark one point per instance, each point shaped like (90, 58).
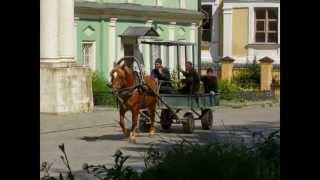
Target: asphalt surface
(94, 137)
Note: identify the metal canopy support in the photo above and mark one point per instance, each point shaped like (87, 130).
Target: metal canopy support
(178, 60)
(193, 55)
(167, 53)
(185, 54)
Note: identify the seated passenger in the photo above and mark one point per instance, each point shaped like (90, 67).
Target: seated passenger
(191, 82)
(210, 82)
(161, 73)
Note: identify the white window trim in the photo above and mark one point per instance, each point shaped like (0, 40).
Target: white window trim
(266, 27)
(92, 61)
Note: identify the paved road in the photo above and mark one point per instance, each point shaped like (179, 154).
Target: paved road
(94, 137)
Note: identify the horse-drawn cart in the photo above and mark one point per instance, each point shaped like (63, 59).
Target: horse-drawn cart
(197, 106)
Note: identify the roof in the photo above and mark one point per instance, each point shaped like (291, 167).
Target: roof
(168, 43)
(103, 10)
(139, 31)
(239, 1)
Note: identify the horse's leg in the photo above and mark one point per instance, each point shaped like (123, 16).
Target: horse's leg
(122, 124)
(152, 110)
(135, 114)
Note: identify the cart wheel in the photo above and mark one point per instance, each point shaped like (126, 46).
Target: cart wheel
(188, 126)
(207, 119)
(166, 119)
(143, 125)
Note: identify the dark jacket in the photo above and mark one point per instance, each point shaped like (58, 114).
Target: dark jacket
(192, 80)
(165, 76)
(210, 84)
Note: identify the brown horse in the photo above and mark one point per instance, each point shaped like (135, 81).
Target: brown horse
(133, 98)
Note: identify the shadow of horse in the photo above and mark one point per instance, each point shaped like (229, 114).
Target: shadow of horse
(107, 137)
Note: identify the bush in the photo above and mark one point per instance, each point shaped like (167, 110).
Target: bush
(228, 90)
(175, 82)
(101, 92)
(249, 78)
(216, 161)
(185, 160)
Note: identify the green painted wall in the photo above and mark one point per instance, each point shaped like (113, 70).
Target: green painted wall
(192, 4)
(171, 3)
(162, 29)
(146, 2)
(182, 32)
(92, 30)
(122, 25)
(114, 1)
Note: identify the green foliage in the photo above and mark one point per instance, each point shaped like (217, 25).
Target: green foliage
(188, 161)
(176, 83)
(45, 167)
(249, 77)
(221, 161)
(101, 91)
(228, 89)
(117, 172)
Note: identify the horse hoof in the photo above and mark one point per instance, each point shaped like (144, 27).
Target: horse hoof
(152, 131)
(126, 132)
(133, 140)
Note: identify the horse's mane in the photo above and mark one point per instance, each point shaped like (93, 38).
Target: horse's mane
(127, 72)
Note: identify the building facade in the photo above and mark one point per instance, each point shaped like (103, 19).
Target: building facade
(242, 29)
(99, 24)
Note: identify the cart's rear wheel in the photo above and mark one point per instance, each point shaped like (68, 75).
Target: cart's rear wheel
(188, 125)
(207, 119)
(144, 126)
(166, 119)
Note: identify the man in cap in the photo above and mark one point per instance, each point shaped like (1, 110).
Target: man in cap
(191, 81)
(162, 75)
(210, 82)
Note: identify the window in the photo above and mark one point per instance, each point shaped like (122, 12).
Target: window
(266, 25)
(207, 23)
(88, 54)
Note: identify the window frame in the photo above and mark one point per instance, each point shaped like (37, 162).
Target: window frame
(266, 21)
(92, 54)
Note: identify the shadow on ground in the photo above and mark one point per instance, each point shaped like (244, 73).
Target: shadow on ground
(111, 137)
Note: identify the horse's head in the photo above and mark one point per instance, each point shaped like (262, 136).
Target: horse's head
(118, 77)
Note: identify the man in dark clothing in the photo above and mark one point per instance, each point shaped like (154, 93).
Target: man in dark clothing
(192, 80)
(210, 82)
(161, 73)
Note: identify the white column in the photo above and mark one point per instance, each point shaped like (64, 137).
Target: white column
(66, 30)
(163, 55)
(120, 50)
(172, 58)
(146, 49)
(193, 34)
(112, 44)
(251, 35)
(130, 1)
(227, 32)
(159, 2)
(49, 30)
(182, 4)
(76, 20)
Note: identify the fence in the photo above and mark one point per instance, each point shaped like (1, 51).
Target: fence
(238, 68)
